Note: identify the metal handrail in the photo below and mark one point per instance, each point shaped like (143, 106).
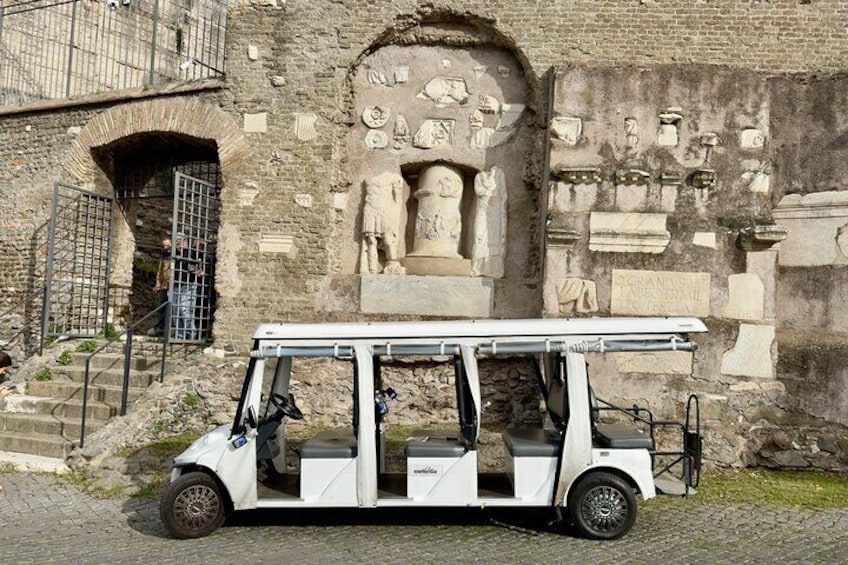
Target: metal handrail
(127, 361)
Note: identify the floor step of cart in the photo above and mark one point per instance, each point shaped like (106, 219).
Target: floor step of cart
(671, 485)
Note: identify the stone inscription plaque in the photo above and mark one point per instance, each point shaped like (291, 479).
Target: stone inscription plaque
(660, 293)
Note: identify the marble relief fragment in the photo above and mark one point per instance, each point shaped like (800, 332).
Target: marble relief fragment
(488, 248)
(434, 133)
(376, 139)
(445, 91)
(375, 116)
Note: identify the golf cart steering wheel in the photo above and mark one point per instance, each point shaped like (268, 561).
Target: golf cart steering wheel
(285, 407)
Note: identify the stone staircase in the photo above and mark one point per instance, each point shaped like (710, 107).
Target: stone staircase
(46, 420)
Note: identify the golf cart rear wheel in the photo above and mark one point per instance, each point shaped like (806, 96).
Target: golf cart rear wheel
(602, 506)
(193, 506)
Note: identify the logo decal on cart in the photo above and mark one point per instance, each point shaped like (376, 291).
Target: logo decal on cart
(427, 470)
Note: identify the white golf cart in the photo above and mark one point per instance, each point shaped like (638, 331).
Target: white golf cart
(576, 461)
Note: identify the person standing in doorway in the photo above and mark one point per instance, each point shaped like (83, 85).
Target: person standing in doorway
(163, 280)
(186, 270)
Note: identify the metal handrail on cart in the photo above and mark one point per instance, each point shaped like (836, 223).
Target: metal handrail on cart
(692, 441)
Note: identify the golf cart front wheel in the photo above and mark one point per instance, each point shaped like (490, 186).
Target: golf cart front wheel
(193, 506)
(602, 506)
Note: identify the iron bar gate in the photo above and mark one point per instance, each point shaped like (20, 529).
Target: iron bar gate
(76, 297)
(194, 231)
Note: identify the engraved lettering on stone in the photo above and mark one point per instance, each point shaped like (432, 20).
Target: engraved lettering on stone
(304, 127)
(577, 295)
(488, 104)
(401, 132)
(567, 130)
(438, 223)
(631, 131)
(751, 139)
(487, 252)
(381, 215)
(660, 293)
(375, 116)
(434, 133)
(445, 91)
(376, 139)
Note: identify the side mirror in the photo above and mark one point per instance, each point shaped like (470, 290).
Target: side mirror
(251, 420)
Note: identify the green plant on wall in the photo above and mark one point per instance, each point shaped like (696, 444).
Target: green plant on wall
(44, 374)
(89, 346)
(64, 359)
(109, 332)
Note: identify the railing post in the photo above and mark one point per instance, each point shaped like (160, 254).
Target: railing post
(166, 333)
(71, 48)
(84, 401)
(127, 361)
(153, 41)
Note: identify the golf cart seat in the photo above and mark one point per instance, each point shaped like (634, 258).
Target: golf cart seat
(621, 436)
(330, 444)
(426, 446)
(532, 442)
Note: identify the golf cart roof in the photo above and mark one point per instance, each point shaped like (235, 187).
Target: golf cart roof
(538, 328)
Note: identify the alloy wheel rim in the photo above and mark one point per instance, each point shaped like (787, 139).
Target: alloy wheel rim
(604, 509)
(196, 506)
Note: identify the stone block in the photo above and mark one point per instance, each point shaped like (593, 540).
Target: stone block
(256, 123)
(751, 355)
(746, 297)
(812, 223)
(660, 293)
(252, 52)
(277, 243)
(628, 232)
(454, 297)
(704, 239)
(437, 266)
(657, 362)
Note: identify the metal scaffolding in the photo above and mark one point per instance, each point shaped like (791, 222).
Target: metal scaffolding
(57, 49)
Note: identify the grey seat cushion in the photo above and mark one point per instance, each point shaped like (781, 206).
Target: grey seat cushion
(331, 444)
(535, 442)
(622, 436)
(434, 447)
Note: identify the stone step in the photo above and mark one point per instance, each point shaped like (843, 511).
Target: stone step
(69, 428)
(35, 444)
(113, 377)
(107, 360)
(71, 408)
(67, 390)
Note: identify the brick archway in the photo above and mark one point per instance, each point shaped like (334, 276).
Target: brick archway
(188, 116)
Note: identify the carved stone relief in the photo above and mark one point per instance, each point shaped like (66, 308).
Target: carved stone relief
(567, 130)
(488, 104)
(669, 124)
(376, 139)
(577, 295)
(381, 218)
(631, 131)
(375, 116)
(401, 74)
(434, 133)
(304, 127)
(504, 70)
(751, 139)
(487, 252)
(376, 76)
(401, 132)
(445, 91)
(438, 223)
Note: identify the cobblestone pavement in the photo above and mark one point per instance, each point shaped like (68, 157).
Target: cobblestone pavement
(46, 520)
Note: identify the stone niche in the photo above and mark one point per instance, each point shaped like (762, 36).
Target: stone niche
(438, 154)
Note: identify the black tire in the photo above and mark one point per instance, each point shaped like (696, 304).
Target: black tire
(193, 506)
(602, 506)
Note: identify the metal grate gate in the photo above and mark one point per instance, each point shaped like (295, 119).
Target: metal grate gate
(76, 298)
(195, 228)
